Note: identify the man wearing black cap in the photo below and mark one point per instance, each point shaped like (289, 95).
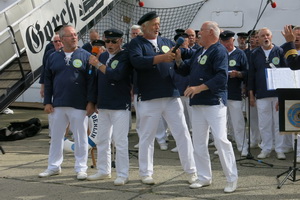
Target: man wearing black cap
(114, 104)
(242, 37)
(208, 96)
(252, 110)
(94, 35)
(237, 70)
(153, 60)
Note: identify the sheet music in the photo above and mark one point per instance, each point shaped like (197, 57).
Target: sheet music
(282, 78)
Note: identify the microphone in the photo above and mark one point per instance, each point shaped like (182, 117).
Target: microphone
(273, 4)
(179, 42)
(95, 51)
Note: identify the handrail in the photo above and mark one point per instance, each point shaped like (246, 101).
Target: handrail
(11, 31)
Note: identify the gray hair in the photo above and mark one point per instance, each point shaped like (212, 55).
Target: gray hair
(213, 26)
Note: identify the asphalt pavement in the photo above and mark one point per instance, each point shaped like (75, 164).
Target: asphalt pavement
(25, 159)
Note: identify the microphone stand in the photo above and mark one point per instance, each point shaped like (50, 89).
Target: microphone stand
(249, 155)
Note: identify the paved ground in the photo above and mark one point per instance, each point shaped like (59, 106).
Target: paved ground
(24, 159)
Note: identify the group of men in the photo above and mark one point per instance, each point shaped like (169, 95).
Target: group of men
(78, 83)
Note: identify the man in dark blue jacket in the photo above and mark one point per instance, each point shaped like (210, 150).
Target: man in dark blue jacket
(208, 96)
(114, 104)
(69, 97)
(153, 61)
(237, 70)
(266, 56)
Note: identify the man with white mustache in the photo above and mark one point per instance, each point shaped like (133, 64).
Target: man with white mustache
(267, 56)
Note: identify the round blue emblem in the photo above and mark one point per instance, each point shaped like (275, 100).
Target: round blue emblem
(294, 115)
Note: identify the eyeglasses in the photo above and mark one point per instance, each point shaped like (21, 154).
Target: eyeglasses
(111, 41)
(56, 41)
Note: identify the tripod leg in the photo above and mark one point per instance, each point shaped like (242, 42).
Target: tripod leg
(285, 178)
(2, 150)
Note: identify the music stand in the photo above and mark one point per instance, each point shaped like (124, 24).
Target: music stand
(289, 122)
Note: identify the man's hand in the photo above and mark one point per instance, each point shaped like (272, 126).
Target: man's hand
(288, 33)
(90, 108)
(191, 91)
(93, 60)
(49, 108)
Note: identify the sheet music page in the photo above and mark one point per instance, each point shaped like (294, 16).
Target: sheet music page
(282, 78)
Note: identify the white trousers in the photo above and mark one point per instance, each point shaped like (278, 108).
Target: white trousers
(161, 134)
(214, 117)
(187, 111)
(172, 111)
(113, 126)
(268, 120)
(61, 117)
(235, 113)
(254, 129)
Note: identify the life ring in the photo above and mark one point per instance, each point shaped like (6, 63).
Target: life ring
(93, 127)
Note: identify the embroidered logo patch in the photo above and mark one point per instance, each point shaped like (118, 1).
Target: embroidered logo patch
(165, 49)
(203, 60)
(275, 60)
(232, 63)
(77, 63)
(114, 64)
(294, 115)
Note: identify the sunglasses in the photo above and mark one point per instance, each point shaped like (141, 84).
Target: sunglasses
(56, 41)
(111, 41)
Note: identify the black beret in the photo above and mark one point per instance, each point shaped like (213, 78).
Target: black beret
(242, 34)
(225, 35)
(253, 33)
(196, 31)
(184, 35)
(113, 33)
(98, 43)
(179, 30)
(147, 17)
(58, 28)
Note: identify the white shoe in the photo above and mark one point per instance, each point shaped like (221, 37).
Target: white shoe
(199, 184)
(263, 155)
(174, 150)
(98, 176)
(48, 173)
(216, 153)
(120, 181)
(193, 177)
(280, 156)
(230, 187)
(148, 180)
(7, 111)
(81, 175)
(298, 159)
(163, 146)
(244, 152)
(136, 146)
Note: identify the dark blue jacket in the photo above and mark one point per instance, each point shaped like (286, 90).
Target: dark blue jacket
(69, 84)
(211, 70)
(88, 47)
(153, 81)
(257, 70)
(114, 86)
(237, 61)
